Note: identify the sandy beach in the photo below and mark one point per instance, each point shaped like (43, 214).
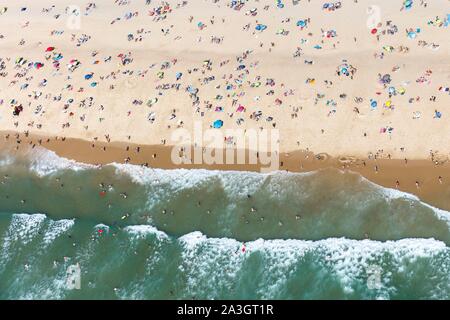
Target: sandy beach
(196, 150)
(357, 85)
(433, 176)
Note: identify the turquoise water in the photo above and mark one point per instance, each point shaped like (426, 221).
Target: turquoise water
(139, 233)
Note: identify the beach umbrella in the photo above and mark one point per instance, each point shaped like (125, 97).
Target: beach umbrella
(301, 23)
(178, 75)
(38, 65)
(408, 4)
(192, 90)
(88, 76)
(386, 79)
(241, 108)
(58, 57)
(49, 49)
(260, 27)
(218, 124)
(21, 61)
(412, 35)
(152, 102)
(392, 90)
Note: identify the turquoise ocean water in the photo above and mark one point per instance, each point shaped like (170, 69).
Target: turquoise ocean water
(140, 233)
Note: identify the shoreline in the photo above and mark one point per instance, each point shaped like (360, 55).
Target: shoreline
(384, 172)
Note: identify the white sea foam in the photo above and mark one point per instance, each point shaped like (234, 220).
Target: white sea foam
(45, 162)
(177, 180)
(236, 184)
(348, 260)
(212, 266)
(143, 230)
(44, 289)
(6, 160)
(397, 194)
(101, 226)
(24, 228)
(56, 228)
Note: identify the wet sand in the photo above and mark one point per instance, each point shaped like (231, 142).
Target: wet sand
(382, 171)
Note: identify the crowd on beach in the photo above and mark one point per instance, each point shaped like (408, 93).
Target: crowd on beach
(59, 85)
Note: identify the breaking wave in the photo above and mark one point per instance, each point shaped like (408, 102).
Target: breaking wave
(140, 262)
(142, 233)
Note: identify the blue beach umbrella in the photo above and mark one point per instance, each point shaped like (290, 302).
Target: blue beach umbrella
(301, 23)
(392, 90)
(260, 27)
(373, 104)
(408, 4)
(218, 124)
